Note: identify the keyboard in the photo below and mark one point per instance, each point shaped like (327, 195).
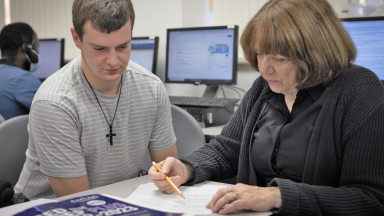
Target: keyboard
(202, 101)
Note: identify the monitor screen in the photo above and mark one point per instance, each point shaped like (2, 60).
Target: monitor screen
(144, 52)
(368, 35)
(206, 55)
(51, 57)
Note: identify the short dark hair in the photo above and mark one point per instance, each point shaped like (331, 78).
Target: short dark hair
(308, 32)
(105, 15)
(13, 36)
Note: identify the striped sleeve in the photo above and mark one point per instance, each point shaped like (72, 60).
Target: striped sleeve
(162, 136)
(55, 133)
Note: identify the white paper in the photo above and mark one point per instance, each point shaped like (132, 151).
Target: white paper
(196, 197)
(147, 195)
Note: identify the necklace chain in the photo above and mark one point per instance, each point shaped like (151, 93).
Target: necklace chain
(117, 104)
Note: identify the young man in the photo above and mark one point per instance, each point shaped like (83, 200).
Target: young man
(92, 121)
(19, 51)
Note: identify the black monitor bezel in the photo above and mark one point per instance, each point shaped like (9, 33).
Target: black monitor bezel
(155, 50)
(62, 62)
(373, 18)
(208, 82)
(354, 19)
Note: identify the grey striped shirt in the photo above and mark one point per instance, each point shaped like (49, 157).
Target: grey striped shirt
(67, 129)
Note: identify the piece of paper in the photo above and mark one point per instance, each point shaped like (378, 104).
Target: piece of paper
(196, 197)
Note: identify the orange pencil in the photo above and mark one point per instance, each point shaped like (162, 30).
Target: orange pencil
(168, 180)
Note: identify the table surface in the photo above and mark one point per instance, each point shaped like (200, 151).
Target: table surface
(122, 189)
(213, 131)
(125, 188)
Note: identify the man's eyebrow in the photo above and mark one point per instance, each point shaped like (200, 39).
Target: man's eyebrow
(126, 43)
(100, 46)
(95, 45)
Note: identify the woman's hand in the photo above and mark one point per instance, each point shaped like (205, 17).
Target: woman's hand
(177, 172)
(248, 198)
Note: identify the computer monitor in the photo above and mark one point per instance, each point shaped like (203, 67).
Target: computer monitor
(368, 35)
(202, 55)
(51, 57)
(144, 52)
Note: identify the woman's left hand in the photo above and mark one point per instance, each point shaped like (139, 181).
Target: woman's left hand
(248, 198)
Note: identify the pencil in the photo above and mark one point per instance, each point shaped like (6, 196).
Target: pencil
(168, 180)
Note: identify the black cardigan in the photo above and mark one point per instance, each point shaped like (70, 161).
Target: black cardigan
(344, 171)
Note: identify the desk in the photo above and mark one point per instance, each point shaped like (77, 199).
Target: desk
(125, 188)
(211, 132)
(122, 189)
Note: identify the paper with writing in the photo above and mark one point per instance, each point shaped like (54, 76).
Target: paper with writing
(196, 197)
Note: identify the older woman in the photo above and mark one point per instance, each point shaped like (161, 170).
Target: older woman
(307, 139)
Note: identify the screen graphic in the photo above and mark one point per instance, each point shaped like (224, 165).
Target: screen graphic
(197, 55)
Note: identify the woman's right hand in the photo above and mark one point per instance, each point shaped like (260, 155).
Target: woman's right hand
(177, 172)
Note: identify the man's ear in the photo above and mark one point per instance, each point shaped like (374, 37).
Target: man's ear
(22, 48)
(75, 38)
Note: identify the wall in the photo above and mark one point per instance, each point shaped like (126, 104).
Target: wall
(338, 4)
(2, 15)
(195, 13)
(49, 18)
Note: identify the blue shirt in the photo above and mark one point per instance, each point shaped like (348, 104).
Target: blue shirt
(17, 89)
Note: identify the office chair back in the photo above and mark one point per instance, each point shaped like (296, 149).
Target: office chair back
(13, 145)
(1, 119)
(189, 134)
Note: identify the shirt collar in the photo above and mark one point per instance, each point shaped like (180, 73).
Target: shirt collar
(314, 92)
(7, 62)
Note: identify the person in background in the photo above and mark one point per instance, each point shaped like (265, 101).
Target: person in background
(307, 139)
(19, 47)
(92, 122)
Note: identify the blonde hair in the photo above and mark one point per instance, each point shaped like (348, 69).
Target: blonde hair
(308, 32)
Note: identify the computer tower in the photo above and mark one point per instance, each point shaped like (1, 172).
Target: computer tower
(210, 116)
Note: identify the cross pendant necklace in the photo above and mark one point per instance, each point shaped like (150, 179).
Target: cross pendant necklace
(111, 134)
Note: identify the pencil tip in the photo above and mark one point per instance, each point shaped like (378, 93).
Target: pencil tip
(182, 195)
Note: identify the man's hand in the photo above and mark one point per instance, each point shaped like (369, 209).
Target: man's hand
(177, 172)
(65, 186)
